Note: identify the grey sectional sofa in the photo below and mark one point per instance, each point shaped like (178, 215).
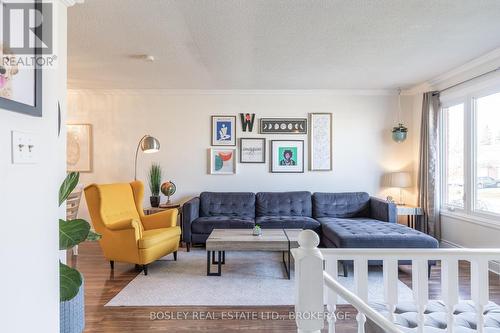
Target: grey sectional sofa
(352, 220)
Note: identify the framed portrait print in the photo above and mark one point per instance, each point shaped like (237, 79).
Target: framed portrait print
(252, 150)
(79, 147)
(287, 156)
(222, 161)
(320, 141)
(20, 81)
(223, 130)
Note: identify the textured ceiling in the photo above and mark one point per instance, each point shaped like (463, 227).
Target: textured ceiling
(275, 44)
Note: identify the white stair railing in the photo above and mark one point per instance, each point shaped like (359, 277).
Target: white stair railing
(316, 268)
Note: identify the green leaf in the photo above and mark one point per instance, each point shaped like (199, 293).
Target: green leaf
(70, 281)
(72, 233)
(93, 236)
(68, 186)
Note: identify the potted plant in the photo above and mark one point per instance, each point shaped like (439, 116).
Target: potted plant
(155, 173)
(257, 230)
(71, 233)
(399, 133)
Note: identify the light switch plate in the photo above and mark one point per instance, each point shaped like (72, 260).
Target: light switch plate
(24, 148)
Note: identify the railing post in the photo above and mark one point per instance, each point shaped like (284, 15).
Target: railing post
(479, 289)
(331, 267)
(309, 282)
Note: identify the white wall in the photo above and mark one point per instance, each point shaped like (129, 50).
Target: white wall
(29, 283)
(363, 149)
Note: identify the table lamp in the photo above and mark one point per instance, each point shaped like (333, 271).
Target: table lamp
(400, 180)
(148, 145)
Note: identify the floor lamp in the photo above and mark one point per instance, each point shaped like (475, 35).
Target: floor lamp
(148, 145)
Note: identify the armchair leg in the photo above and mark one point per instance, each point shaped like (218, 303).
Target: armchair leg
(188, 246)
(175, 256)
(145, 269)
(112, 264)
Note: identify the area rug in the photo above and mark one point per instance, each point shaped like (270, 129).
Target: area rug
(248, 279)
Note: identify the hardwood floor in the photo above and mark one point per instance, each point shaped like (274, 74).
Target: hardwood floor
(102, 284)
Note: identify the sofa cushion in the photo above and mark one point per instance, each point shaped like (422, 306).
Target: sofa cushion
(369, 233)
(241, 204)
(288, 222)
(284, 204)
(205, 225)
(153, 237)
(355, 204)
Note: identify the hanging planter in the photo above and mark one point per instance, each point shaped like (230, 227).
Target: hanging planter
(399, 133)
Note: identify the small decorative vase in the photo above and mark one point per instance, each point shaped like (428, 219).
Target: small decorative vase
(154, 200)
(257, 231)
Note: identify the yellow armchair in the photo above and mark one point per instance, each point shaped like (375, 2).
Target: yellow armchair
(127, 234)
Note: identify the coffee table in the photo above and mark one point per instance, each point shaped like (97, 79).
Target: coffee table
(276, 240)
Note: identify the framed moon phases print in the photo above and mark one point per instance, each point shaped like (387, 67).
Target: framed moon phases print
(283, 125)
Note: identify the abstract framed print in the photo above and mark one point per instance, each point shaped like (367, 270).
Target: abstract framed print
(222, 161)
(223, 130)
(79, 147)
(252, 150)
(283, 125)
(287, 156)
(320, 141)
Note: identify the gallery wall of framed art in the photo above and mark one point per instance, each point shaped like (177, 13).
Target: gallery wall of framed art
(286, 155)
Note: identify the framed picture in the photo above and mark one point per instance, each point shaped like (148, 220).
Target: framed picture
(287, 156)
(79, 147)
(223, 130)
(252, 150)
(222, 161)
(320, 141)
(283, 125)
(20, 83)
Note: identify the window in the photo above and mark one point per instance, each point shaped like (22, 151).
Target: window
(488, 154)
(471, 154)
(454, 155)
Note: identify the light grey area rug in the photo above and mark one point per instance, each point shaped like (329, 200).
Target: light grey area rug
(248, 279)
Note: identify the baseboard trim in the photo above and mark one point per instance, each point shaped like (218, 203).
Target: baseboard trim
(493, 265)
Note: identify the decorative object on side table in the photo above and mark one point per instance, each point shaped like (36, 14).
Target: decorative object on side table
(252, 150)
(154, 178)
(257, 231)
(287, 156)
(223, 131)
(168, 189)
(79, 150)
(400, 180)
(148, 145)
(222, 161)
(320, 141)
(72, 233)
(283, 125)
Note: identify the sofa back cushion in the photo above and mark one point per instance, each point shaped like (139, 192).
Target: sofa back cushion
(355, 204)
(284, 204)
(227, 204)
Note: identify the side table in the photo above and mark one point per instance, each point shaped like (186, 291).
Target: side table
(413, 214)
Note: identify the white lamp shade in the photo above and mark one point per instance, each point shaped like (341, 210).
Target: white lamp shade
(400, 179)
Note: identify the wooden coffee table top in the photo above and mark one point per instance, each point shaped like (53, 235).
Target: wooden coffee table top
(243, 240)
